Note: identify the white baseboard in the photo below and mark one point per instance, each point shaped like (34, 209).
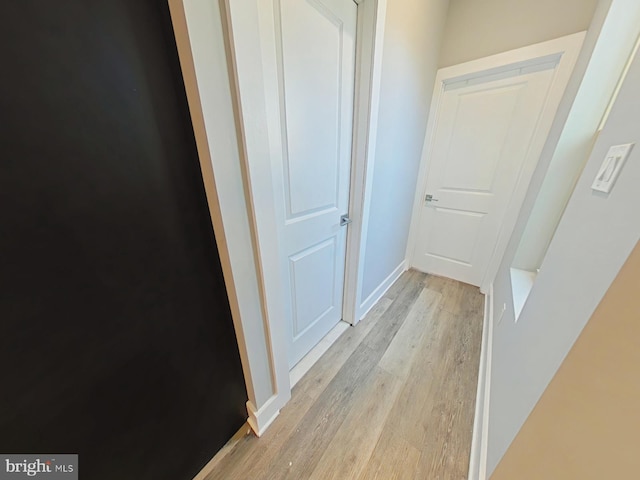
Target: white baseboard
(380, 290)
(309, 360)
(478, 457)
(259, 420)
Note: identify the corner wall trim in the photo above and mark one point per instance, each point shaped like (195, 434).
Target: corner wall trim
(201, 33)
(381, 289)
(478, 456)
(259, 420)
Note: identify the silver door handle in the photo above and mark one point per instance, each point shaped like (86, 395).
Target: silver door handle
(429, 198)
(345, 220)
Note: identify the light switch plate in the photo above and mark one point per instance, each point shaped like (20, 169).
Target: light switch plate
(610, 168)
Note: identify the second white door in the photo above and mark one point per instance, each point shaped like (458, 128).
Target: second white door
(483, 134)
(316, 61)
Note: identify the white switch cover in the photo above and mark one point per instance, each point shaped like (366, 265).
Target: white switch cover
(610, 168)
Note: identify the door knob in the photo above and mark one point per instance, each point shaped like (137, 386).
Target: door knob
(429, 198)
(345, 220)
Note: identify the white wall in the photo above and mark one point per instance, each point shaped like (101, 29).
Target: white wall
(600, 81)
(478, 28)
(594, 238)
(413, 31)
(586, 424)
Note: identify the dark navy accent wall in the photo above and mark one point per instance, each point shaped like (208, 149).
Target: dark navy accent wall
(116, 339)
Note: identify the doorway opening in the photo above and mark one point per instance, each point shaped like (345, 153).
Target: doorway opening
(488, 124)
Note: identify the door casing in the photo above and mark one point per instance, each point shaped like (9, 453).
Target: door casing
(263, 186)
(249, 31)
(567, 49)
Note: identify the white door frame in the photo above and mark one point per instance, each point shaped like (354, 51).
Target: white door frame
(370, 35)
(562, 50)
(241, 190)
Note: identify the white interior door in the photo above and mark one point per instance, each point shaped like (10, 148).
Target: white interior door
(482, 137)
(316, 73)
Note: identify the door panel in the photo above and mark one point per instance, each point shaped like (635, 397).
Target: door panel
(312, 54)
(313, 275)
(316, 57)
(480, 126)
(481, 140)
(455, 234)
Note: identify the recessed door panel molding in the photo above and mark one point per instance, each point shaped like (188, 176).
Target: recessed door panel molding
(312, 57)
(483, 142)
(478, 136)
(454, 235)
(313, 291)
(316, 74)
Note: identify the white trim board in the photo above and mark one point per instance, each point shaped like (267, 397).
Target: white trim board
(565, 52)
(381, 289)
(261, 419)
(369, 44)
(480, 436)
(200, 31)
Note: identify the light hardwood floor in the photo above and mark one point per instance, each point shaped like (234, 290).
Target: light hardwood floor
(393, 398)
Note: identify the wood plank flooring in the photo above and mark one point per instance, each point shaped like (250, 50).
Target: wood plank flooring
(393, 398)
